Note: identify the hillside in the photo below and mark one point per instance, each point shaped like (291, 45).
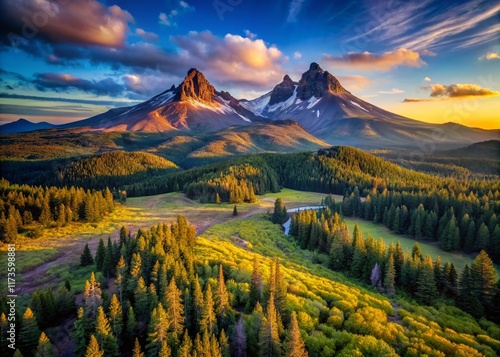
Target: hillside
(22, 126)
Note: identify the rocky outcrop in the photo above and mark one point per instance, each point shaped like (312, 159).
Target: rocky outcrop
(316, 82)
(282, 91)
(195, 87)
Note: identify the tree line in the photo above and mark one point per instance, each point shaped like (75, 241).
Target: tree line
(31, 209)
(476, 291)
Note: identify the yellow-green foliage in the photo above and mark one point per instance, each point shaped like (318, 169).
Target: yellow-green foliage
(327, 302)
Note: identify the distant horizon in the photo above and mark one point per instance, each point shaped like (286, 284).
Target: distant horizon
(425, 60)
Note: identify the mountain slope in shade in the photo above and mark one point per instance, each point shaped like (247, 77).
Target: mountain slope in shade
(194, 105)
(280, 136)
(485, 150)
(24, 126)
(327, 110)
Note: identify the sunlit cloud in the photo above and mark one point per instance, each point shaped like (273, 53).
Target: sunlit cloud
(77, 22)
(460, 90)
(454, 91)
(232, 59)
(392, 91)
(148, 36)
(490, 56)
(427, 79)
(356, 83)
(367, 61)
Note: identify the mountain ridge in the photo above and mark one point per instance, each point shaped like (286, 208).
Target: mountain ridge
(318, 102)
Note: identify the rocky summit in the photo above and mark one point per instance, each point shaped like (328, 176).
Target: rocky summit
(195, 86)
(282, 91)
(316, 82)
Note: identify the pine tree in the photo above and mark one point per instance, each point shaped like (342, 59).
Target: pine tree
(269, 341)
(86, 257)
(255, 294)
(482, 238)
(390, 277)
(120, 276)
(165, 350)
(29, 333)
(92, 296)
(80, 332)
(116, 316)
(224, 345)
(222, 297)
(100, 254)
(484, 277)
(280, 291)
(108, 263)
(141, 299)
(137, 351)
(131, 323)
(175, 309)
(415, 252)
(45, 347)
(426, 286)
(104, 335)
(159, 325)
(208, 318)
(186, 346)
(470, 237)
(93, 349)
(467, 299)
(295, 345)
(279, 215)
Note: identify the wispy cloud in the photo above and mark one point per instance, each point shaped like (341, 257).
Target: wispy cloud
(297, 55)
(108, 103)
(354, 82)
(369, 61)
(428, 25)
(294, 10)
(392, 91)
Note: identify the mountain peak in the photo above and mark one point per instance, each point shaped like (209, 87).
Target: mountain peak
(315, 67)
(282, 91)
(195, 86)
(316, 82)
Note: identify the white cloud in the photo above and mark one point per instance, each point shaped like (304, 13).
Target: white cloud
(169, 19)
(250, 34)
(164, 20)
(297, 55)
(148, 36)
(427, 79)
(392, 91)
(232, 59)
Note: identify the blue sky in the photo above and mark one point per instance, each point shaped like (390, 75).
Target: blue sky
(63, 60)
